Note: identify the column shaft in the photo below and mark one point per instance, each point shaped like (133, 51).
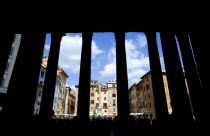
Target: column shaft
(84, 81)
(50, 78)
(6, 40)
(157, 78)
(22, 88)
(178, 92)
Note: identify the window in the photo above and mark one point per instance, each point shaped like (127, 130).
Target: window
(7, 67)
(91, 108)
(145, 97)
(147, 86)
(97, 104)
(104, 98)
(151, 116)
(42, 74)
(11, 51)
(92, 89)
(92, 94)
(92, 101)
(114, 102)
(114, 109)
(97, 98)
(104, 92)
(104, 105)
(150, 105)
(113, 95)
(148, 95)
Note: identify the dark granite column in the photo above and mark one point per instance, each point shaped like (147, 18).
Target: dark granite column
(198, 100)
(199, 43)
(157, 78)
(22, 88)
(84, 80)
(84, 86)
(178, 92)
(6, 40)
(50, 78)
(122, 83)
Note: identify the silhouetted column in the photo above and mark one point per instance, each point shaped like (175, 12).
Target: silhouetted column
(122, 83)
(84, 80)
(22, 88)
(178, 92)
(84, 86)
(198, 99)
(50, 77)
(157, 78)
(200, 44)
(6, 40)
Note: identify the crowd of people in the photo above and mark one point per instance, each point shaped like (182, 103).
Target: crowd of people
(94, 126)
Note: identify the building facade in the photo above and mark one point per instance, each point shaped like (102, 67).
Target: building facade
(60, 94)
(71, 99)
(39, 89)
(103, 98)
(141, 96)
(9, 68)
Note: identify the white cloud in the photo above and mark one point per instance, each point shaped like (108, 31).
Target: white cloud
(67, 85)
(95, 50)
(131, 50)
(142, 40)
(137, 62)
(162, 62)
(73, 87)
(111, 54)
(136, 73)
(70, 53)
(109, 70)
(47, 47)
(97, 64)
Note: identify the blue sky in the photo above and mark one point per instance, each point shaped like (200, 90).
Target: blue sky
(103, 65)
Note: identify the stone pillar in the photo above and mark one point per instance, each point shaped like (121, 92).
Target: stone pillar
(22, 88)
(178, 92)
(122, 82)
(6, 40)
(84, 80)
(84, 86)
(196, 93)
(199, 44)
(50, 78)
(157, 78)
